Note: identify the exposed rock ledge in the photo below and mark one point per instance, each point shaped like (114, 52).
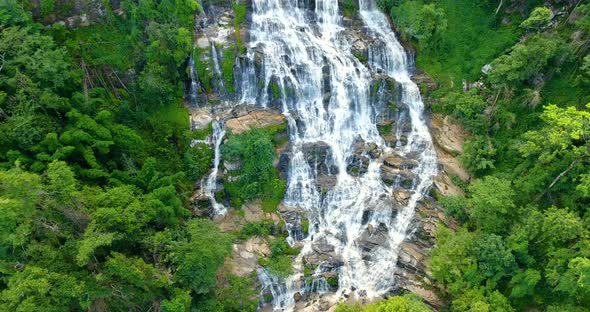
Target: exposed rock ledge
(255, 119)
(448, 140)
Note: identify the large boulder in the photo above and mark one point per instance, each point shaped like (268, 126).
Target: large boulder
(254, 119)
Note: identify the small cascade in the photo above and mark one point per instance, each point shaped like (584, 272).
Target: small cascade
(195, 87)
(219, 83)
(272, 287)
(209, 185)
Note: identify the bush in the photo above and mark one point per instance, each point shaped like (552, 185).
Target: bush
(258, 178)
(540, 17)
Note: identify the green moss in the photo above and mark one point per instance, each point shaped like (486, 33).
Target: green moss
(203, 72)
(227, 69)
(239, 17)
(307, 271)
(202, 134)
(375, 88)
(349, 8)
(275, 90)
(385, 129)
(305, 225)
(361, 57)
(333, 281)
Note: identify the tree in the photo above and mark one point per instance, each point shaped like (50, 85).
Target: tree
(452, 261)
(524, 282)
(131, 283)
(476, 300)
(468, 108)
(405, 303)
(20, 193)
(560, 146)
(196, 259)
(35, 287)
(491, 204)
(527, 60)
(540, 17)
(478, 154)
(239, 294)
(424, 23)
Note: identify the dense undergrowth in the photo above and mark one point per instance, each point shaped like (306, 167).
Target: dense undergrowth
(96, 166)
(523, 238)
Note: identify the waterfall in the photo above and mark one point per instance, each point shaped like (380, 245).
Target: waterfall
(209, 185)
(325, 95)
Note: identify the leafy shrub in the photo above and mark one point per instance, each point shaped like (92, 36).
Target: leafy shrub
(258, 178)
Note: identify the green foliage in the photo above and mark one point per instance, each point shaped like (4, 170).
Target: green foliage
(94, 149)
(405, 303)
(263, 228)
(196, 259)
(470, 39)
(227, 69)
(47, 7)
(240, 11)
(478, 155)
(527, 60)
(491, 204)
(280, 263)
(258, 178)
(455, 207)
(540, 17)
(198, 159)
(238, 295)
(519, 247)
(180, 302)
(468, 108)
(349, 8)
(203, 71)
(424, 23)
(36, 287)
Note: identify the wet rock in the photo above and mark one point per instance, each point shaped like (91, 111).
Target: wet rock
(199, 119)
(372, 238)
(391, 176)
(402, 196)
(322, 247)
(283, 164)
(357, 165)
(366, 216)
(326, 182)
(399, 162)
(319, 157)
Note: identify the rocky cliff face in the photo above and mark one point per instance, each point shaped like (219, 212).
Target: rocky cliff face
(215, 35)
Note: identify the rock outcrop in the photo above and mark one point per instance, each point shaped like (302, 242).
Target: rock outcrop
(255, 119)
(448, 138)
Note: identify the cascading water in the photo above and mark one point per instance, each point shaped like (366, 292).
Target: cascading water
(209, 185)
(325, 94)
